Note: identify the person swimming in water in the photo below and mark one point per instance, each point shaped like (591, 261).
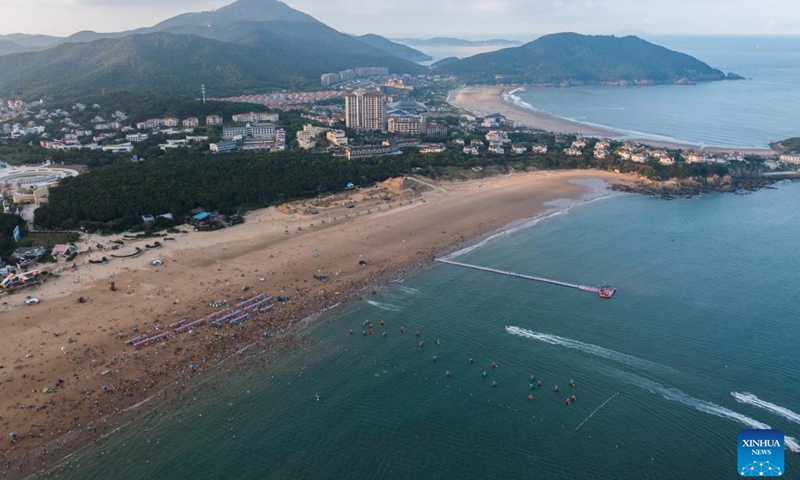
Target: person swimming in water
(572, 383)
(530, 398)
(421, 344)
(540, 384)
(384, 335)
(448, 374)
(557, 389)
(416, 334)
(383, 323)
(471, 361)
(435, 359)
(438, 342)
(351, 331)
(495, 384)
(484, 375)
(363, 333)
(402, 330)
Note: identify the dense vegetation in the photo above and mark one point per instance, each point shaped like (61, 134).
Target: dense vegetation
(791, 144)
(114, 196)
(178, 64)
(570, 58)
(250, 46)
(7, 225)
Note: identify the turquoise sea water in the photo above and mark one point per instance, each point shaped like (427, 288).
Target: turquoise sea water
(747, 113)
(707, 305)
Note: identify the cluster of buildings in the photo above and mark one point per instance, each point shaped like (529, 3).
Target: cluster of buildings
(792, 158)
(368, 111)
(328, 79)
(259, 136)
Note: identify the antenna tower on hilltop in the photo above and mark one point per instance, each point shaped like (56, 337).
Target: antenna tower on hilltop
(203, 88)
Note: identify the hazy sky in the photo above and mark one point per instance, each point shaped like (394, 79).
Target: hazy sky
(427, 18)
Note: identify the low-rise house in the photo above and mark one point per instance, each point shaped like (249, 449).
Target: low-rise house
(432, 148)
(793, 158)
(214, 120)
(63, 249)
(471, 150)
(337, 138)
(223, 146)
(539, 149)
(29, 253)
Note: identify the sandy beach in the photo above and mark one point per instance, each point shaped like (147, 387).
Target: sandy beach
(485, 100)
(77, 348)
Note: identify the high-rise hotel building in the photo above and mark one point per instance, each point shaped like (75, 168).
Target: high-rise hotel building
(365, 111)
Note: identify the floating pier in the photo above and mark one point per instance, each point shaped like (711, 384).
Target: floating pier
(585, 288)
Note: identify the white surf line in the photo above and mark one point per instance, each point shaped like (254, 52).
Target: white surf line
(525, 224)
(133, 407)
(701, 405)
(586, 347)
(751, 399)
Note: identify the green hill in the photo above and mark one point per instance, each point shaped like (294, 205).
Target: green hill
(574, 59)
(395, 49)
(177, 64)
(276, 48)
(791, 145)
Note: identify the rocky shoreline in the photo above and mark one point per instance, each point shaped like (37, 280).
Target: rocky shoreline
(695, 186)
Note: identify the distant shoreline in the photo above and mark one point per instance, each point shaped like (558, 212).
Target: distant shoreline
(485, 100)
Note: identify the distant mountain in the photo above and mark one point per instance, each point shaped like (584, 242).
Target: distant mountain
(31, 40)
(289, 50)
(240, 11)
(456, 42)
(574, 59)
(7, 47)
(395, 49)
(445, 61)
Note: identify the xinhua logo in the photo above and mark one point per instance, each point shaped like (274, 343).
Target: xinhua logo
(760, 453)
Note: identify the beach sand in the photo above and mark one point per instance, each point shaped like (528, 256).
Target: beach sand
(485, 100)
(80, 343)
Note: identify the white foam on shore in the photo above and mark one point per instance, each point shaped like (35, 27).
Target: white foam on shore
(525, 224)
(751, 399)
(596, 350)
(619, 133)
(676, 395)
(384, 306)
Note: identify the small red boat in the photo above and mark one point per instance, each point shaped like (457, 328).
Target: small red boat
(606, 291)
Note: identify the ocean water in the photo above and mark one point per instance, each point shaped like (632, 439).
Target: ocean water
(746, 114)
(706, 305)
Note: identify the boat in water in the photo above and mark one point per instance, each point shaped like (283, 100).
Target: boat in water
(606, 291)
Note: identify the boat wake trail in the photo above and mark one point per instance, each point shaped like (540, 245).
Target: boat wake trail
(676, 395)
(409, 290)
(384, 306)
(751, 399)
(587, 347)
